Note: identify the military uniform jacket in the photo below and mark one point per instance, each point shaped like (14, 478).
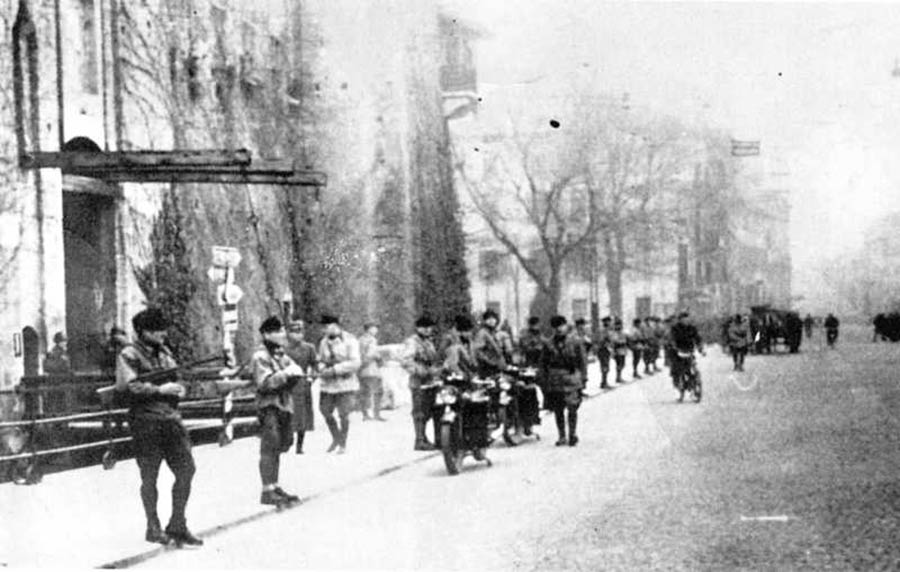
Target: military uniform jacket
(602, 343)
(421, 360)
(564, 363)
(140, 359)
(619, 342)
(738, 335)
(457, 354)
(273, 386)
(488, 353)
(531, 345)
(340, 360)
(636, 339)
(371, 359)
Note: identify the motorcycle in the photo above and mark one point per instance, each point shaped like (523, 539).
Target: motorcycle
(525, 409)
(465, 416)
(689, 380)
(503, 405)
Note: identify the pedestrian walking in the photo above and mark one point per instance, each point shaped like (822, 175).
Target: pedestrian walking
(832, 324)
(738, 341)
(637, 345)
(565, 368)
(146, 373)
(275, 375)
(370, 387)
(808, 323)
(304, 355)
(423, 362)
(339, 361)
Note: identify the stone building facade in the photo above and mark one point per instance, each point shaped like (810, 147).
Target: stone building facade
(349, 89)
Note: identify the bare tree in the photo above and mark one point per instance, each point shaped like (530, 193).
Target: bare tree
(632, 169)
(531, 191)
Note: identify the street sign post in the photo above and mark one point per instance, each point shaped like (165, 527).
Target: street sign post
(226, 256)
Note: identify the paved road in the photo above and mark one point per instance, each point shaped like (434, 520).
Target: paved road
(792, 464)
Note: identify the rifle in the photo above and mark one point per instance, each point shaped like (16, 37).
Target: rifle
(154, 376)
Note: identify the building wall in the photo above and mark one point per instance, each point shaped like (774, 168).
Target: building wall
(345, 81)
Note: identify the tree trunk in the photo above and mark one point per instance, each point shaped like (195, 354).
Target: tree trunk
(613, 273)
(545, 304)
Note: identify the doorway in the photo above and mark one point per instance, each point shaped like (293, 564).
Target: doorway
(90, 273)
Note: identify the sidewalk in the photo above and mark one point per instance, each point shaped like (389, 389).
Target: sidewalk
(90, 517)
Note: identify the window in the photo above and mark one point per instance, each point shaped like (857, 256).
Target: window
(492, 265)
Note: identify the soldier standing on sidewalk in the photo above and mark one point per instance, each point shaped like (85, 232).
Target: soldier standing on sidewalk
(339, 360)
(604, 350)
(304, 355)
(274, 375)
(371, 390)
(637, 343)
(565, 368)
(156, 428)
(423, 362)
(619, 343)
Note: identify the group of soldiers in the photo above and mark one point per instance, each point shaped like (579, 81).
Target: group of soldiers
(285, 366)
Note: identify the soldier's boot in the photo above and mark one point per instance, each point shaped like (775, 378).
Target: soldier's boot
(573, 425)
(376, 409)
(299, 446)
(560, 427)
(422, 443)
(155, 532)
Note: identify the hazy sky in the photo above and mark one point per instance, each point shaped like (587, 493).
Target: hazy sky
(811, 81)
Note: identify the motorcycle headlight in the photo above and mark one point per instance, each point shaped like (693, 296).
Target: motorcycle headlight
(446, 396)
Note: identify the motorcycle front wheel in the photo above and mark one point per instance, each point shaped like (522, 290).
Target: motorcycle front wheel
(453, 455)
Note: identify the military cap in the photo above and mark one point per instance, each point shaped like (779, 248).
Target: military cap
(270, 324)
(425, 322)
(557, 321)
(150, 319)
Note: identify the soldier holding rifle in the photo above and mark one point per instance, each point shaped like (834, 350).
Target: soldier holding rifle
(147, 373)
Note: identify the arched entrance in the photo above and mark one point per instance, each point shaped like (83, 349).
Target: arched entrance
(89, 222)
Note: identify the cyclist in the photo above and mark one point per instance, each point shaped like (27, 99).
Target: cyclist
(684, 338)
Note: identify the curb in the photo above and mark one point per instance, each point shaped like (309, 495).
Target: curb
(141, 557)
